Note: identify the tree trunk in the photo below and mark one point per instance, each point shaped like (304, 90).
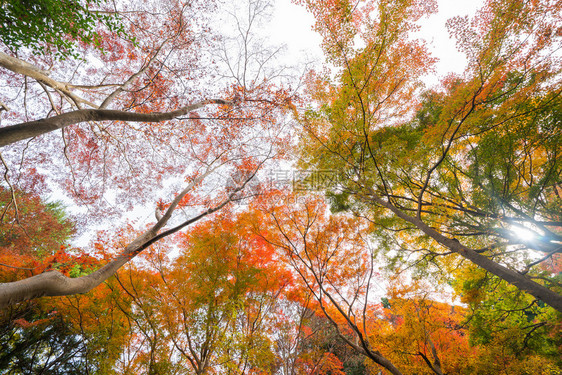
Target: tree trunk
(18, 132)
(384, 363)
(518, 280)
(54, 283)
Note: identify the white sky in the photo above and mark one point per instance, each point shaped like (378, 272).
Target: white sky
(292, 25)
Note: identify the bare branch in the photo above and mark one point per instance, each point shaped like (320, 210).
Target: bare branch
(21, 67)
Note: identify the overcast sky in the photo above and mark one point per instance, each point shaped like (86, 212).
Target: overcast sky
(292, 24)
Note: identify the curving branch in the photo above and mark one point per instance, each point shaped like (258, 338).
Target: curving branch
(54, 283)
(318, 278)
(21, 67)
(122, 87)
(520, 281)
(14, 133)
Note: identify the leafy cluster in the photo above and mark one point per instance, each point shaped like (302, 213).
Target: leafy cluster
(54, 27)
(437, 250)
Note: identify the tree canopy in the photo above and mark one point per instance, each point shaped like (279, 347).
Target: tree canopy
(55, 27)
(175, 200)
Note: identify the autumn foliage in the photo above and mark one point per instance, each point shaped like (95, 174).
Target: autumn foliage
(417, 230)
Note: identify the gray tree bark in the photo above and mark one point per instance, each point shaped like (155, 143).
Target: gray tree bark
(54, 283)
(14, 133)
(520, 281)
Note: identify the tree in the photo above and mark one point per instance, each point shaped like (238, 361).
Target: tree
(334, 263)
(411, 331)
(508, 324)
(54, 27)
(303, 343)
(31, 227)
(156, 138)
(24, 346)
(424, 336)
(212, 308)
(74, 335)
(478, 162)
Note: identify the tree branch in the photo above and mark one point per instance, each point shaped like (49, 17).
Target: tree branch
(546, 295)
(54, 283)
(18, 132)
(21, 67)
